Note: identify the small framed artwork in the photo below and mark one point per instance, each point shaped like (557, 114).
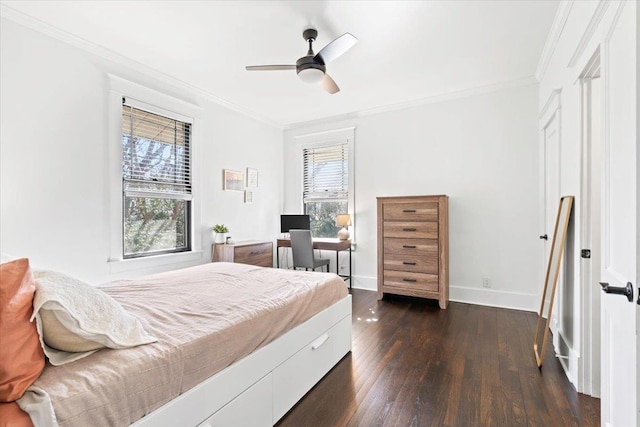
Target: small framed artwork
(248, 196)
(252, 178)
(233, 180)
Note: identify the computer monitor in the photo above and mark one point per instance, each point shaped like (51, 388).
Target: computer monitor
(294, 222)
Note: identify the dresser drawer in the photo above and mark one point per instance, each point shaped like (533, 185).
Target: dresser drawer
(411, 230)
(416, 247)
(417, 264)
(259, 254)
(414, 211)
(408, 280)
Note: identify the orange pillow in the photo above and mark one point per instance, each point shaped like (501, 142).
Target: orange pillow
(21, 355)
(12, 416)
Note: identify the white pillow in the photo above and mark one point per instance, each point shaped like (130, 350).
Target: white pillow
(76, 319)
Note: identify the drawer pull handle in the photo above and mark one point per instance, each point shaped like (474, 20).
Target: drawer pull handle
(409, 280)
(318, 343)
(409, 211)
(408, 263)
(409, 246)
(409, 229)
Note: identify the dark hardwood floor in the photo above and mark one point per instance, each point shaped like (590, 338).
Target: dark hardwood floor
(413, 364)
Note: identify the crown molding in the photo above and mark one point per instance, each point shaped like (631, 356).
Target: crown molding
(114, 57)
(594, 22)
(111, 56)
(559, 21)
(432, 99)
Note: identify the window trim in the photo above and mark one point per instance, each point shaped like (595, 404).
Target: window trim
(185, 196)
(169, 106)
(324, 139)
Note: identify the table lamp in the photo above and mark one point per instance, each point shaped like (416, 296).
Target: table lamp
(343, 220)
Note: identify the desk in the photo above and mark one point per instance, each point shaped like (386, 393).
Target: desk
(327, 244)
(251, 252)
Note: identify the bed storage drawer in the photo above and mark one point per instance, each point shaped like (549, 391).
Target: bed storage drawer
(235, 413)
(298, 374)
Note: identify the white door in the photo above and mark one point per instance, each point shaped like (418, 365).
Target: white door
(620, 220)
(551, 195)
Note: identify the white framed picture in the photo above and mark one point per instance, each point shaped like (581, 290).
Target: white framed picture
(233, 180)
(248, 196)
(252, 178)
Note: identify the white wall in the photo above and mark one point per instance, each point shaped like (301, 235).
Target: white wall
(583, 25)
(482, 152)
(54, 158)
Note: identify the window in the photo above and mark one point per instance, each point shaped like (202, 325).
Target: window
(325, 186)
(156, 183)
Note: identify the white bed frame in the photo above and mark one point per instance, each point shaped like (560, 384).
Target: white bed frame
(259, 389)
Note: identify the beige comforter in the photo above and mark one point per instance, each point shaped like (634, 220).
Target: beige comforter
(204, 318)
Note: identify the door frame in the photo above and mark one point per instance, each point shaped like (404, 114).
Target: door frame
(552, 111)
(589, 362)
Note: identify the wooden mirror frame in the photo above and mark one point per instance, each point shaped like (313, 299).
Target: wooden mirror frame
(553, 270)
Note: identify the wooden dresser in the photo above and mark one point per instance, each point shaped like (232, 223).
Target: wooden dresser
(413, 247)
(247, 252)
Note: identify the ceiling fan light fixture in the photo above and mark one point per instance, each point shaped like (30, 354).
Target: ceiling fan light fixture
(311, 75)
(311, 68)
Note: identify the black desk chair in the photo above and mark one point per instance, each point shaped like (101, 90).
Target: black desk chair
(302, 251)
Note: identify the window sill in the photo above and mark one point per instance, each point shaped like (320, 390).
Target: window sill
(123, 265)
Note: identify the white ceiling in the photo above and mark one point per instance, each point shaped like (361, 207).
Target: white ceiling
(407, 50)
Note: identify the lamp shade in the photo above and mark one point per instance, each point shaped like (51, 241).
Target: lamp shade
(343, 220)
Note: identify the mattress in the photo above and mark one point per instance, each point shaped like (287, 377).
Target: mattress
(205, 318)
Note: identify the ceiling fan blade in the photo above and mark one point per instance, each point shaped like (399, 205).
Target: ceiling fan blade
(269, 67)
(336, 48)
(329, 85)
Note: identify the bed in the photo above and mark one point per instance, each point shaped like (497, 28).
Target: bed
(237, 345)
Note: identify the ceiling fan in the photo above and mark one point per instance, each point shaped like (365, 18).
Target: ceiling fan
(311, 68)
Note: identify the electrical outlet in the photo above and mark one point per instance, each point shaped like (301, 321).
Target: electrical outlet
(486, 282)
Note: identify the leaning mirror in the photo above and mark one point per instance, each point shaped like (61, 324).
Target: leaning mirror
(551, 278)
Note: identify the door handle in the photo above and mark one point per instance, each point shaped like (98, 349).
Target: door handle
(545, 237)
(626, 291)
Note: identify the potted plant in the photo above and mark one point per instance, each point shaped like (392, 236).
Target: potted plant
(220, 231)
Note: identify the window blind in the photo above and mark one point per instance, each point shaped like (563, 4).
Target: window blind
(156, 158)
(326, 174)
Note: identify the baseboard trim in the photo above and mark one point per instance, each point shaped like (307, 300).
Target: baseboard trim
(486, 297)
(569, 362)
(494, 298)
(366, 283)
